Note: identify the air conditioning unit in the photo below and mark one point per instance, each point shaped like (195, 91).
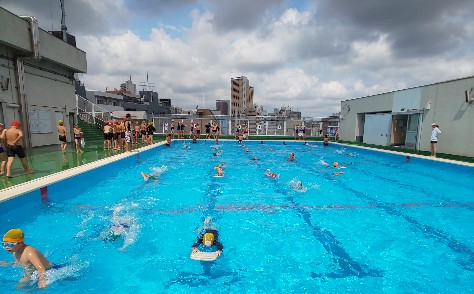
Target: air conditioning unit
(469, 96)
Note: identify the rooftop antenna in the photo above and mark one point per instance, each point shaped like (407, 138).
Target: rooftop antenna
(63, 21)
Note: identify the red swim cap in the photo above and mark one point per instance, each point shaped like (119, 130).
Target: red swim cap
(15, 123)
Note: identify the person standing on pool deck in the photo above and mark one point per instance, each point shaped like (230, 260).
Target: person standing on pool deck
(13, 137)
(62, 135)
(27, 256)
(77, 138)
(434, 138)
(3, 152)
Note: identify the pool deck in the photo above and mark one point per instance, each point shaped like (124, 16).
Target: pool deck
(50, 165)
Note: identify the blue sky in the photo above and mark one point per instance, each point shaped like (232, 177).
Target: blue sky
(308, 55)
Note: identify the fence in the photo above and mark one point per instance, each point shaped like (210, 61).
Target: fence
(258, 125)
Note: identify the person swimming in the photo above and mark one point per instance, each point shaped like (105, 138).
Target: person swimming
(118, 228)
(219, 170)
(270, 174)
(291, 157)
(218, 152)
(208, 236)
(123, 227)
(147, 177)
(297, 185)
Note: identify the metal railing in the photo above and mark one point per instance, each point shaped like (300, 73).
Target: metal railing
(258, 125)
(91, 113)
(228, 125)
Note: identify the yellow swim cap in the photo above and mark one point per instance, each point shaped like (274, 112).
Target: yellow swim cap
(335, 164)
(207, 239)
(60, 122)
(14, 235)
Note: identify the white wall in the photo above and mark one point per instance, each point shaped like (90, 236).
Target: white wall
(447, 107)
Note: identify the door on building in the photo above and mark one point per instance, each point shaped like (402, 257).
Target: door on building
(377, 129)
(411, 137)
(399, 127)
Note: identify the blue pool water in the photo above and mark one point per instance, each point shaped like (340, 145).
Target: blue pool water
(383, 226)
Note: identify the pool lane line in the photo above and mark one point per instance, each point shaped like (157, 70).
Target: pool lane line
(347, 265)
(428, 231)
(274, 208)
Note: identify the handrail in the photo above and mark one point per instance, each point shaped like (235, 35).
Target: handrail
(95, 113)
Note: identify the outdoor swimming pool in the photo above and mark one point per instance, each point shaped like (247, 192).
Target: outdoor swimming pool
(386, 225)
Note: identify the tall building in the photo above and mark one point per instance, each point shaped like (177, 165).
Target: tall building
(223, 106)
(241, 94)
(129, 86)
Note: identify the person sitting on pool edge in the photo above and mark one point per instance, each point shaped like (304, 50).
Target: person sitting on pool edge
(27, 256)
(326, 140)
(210, 237)
(168, 140)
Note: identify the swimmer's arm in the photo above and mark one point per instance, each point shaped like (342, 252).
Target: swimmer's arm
(219, 246)
(6, 263)
(33, 257)
(20, 136)
(195, 245)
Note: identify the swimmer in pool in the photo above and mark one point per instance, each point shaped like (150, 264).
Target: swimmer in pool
(337, 174)
(207, 237)
(219, 170)
(218, 152)
(118, 228)
(147, 177)
(270, 174)
(297, 185)
(291, 157)
(27, 256)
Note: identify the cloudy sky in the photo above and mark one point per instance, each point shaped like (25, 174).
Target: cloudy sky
(308, 55)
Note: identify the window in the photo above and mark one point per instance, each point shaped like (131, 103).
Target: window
(115, 103)
(100, 101)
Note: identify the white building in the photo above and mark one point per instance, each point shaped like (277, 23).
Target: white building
(129, 86)
(404, 117)
(37, 79)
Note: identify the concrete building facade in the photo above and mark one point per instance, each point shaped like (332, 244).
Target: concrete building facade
(403, 118)
(37, 79)
(129, 87)
(241, 94)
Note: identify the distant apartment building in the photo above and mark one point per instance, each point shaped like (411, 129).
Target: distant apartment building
(37, 79)
(152, 104)
(223, 107)
(241, 96)
(105, 100)
(129, 86)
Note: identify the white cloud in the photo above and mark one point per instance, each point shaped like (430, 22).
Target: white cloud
(309, 59)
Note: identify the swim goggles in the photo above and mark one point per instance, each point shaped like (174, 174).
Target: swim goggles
(9, 244)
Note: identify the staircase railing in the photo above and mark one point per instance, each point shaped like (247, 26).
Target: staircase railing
(92, 113)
